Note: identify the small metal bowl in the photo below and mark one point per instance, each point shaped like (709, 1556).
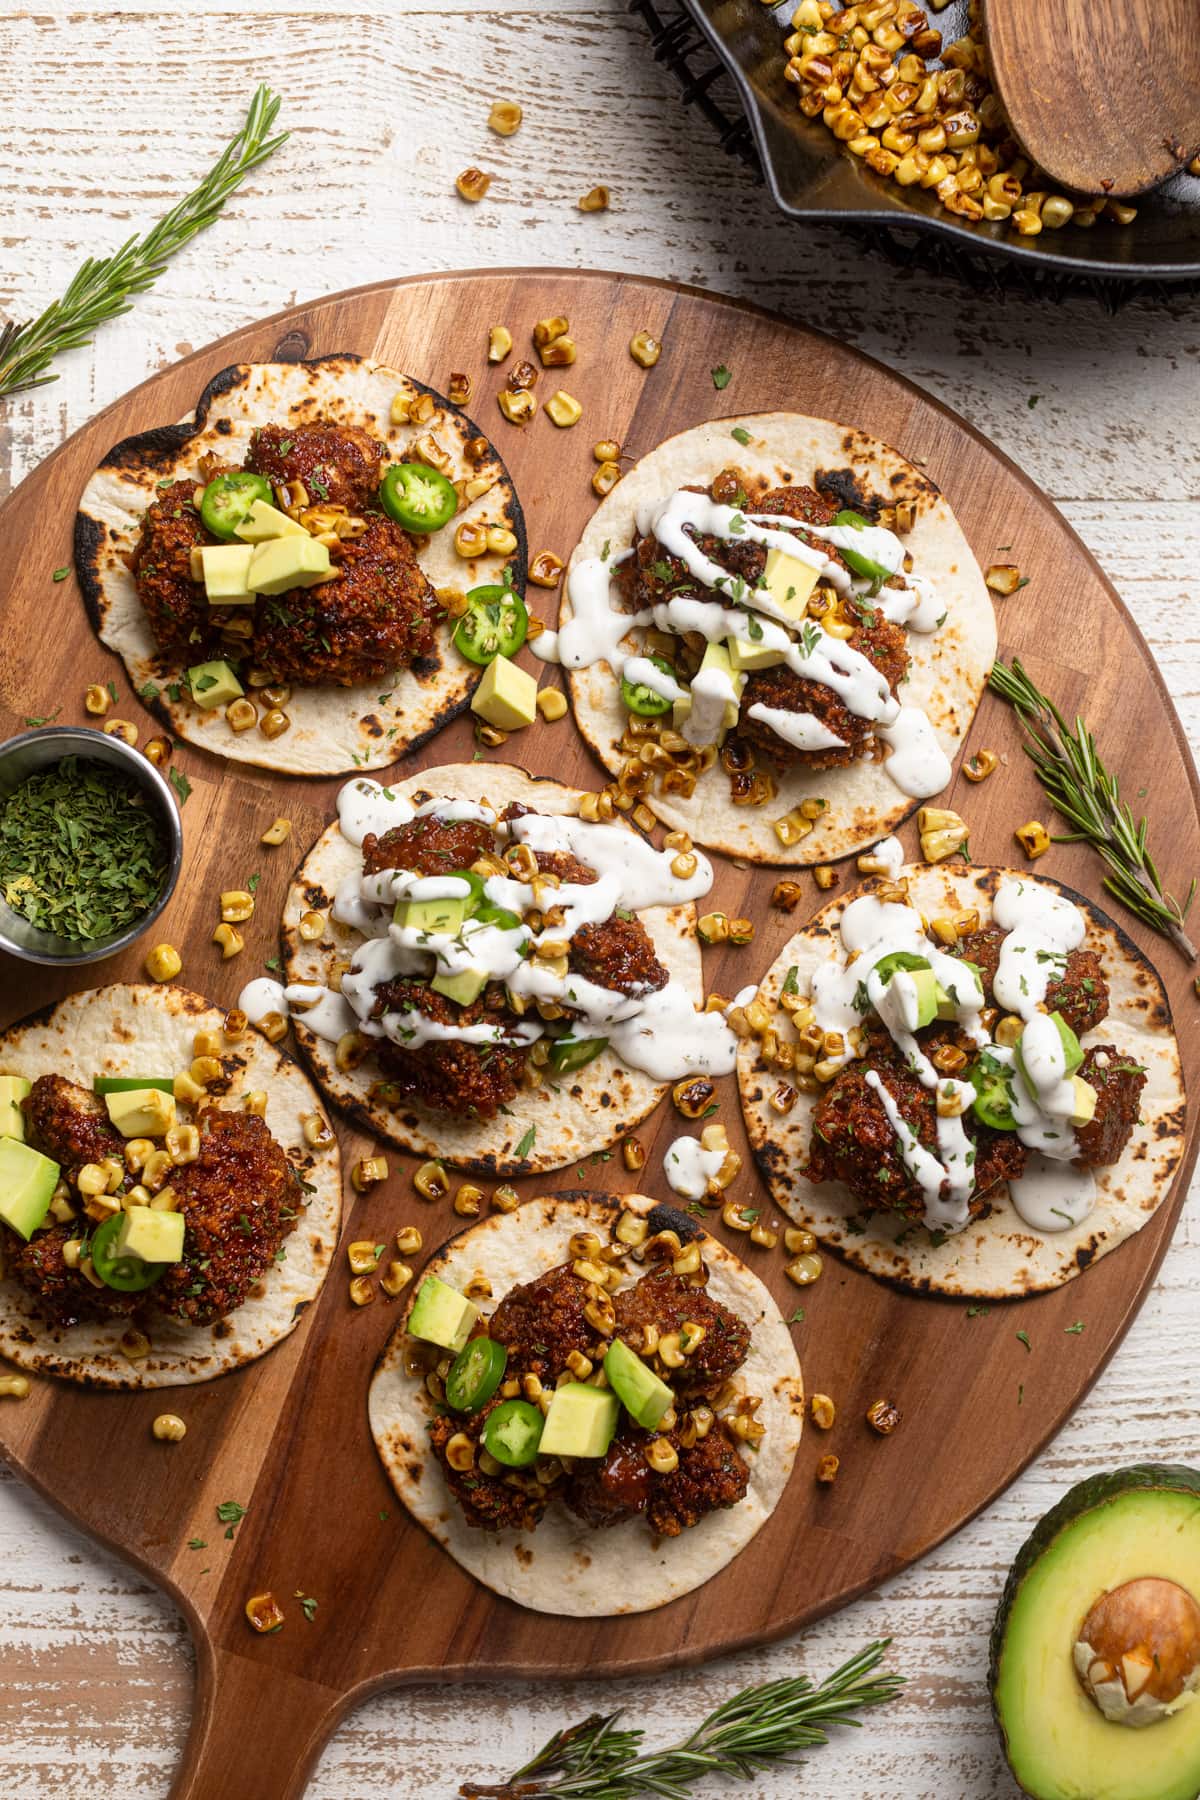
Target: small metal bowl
(23, 756)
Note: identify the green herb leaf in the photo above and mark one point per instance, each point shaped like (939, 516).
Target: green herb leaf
(721, 377)
(797, 1317)
(1023, 1338)
(148, 691)
(231, 1513)
(308, 1606)
(1075, 1329)
(197, 1543)
(59, 574)
(739, 431)
(526, 1144)
(181, 784)
(80, 853)
(977, 1312)
(43, 719)
(253, 882)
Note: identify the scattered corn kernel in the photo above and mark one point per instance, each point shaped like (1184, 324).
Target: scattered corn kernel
(607, 450)
(363, 1256)
(1003, 578)
(97, 700)
(552, 704)
(823, 1411)
(645, 349)
(396, 1279)
(368, 1172)
(264, 1613)
(277, 832)
(825, 876)
(786, 896)
(827, 1470)
(473, 184)
(122, 728)
(169, 1428)
(362, 1290)
(14, 1387)
(595, 200)
(468, 1200)
(230, 939)
(505, 1198)
(981, 765)
(505, 117)
(883, 1416)
(564, 410)
(500, 343)
(1033, 838)
(517, 408)
(804, 1270)
(163, 963)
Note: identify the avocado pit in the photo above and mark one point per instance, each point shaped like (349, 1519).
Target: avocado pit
(1137, 1655)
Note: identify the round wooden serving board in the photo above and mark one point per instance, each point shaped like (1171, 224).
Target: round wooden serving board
(287, 1437)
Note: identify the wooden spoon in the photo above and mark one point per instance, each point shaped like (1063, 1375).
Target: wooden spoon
(1104, 95)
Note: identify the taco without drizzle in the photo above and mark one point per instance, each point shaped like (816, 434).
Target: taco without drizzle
(479, 971)
(343, 659)
(790, 608)
(593, 1500)
(149, 1240)
(982, 1108)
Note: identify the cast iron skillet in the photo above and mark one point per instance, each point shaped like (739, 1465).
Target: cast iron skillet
(811, 177)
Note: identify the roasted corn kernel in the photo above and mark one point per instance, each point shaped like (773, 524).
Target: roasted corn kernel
(468, 1200)
(362, 1291)
(124, 729)
(278, 832)
(368, 1172)
(169, 1428)
(163, 963)
(500, 343)
(645, 349)
(517, 408)
(883, 1416)
(473, 184)
(1033, 838)
(563, 409)
(97, 700)
(1003, 578)
(396, 1279)
(981, 765)
(595, 200)
(363, 1256)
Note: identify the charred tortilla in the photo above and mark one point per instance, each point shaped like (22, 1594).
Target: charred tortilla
(332, 728)
(948, 670)
(581, 1113)
(565, 1566)
(997, 1255)
(133, 1030)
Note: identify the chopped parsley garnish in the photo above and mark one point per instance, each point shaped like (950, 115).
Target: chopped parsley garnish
(308, 1606)
(977, 1312)
(181, 784)
(80, 854)
(754, 630)
(253, 882)
(797, 1317)
(197, 1543)
(43, 719)
(721, 377)
(810, 638)
(231, 1514)
(1075, 1329)
(741, 434)
(527, 1142)
(148, 691)
(60, 574)
(662, 571)
(272, 962)
(1023, 1338)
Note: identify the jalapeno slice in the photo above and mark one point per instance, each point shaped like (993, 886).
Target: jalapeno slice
(857, 559)
(226, 501)
(496, 623)
(129, 1084)
(475, 1374)
(127, 1274)
(513, 1432)
(992, 1105)
(642, 700)
(887, 965)
(417, 497)
(569, 1054)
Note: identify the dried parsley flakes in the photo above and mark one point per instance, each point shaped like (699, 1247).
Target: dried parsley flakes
(80, 854)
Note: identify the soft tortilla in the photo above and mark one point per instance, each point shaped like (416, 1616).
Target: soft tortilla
(333, 728)
(565, 1566)
(591, 1108)
(997, 1256)
(132, 1030)
(949, 667)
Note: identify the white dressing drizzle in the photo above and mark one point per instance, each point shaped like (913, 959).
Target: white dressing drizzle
(597, 629)
(660, 1032)
(365, 806)
(1042, 928)
(1052, 1195)
(689, 1167)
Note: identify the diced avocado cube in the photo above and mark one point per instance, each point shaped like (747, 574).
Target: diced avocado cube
(156, 1237)
(225, 568)
(141, 1112)
(265, 521)
(644, 1397)
(27, 1183)
(1084, 1109)
(279, 564)
(582, 1421)
(465, 987)
(925, 982)
(443, 916)
(745, 655)
(441, 1315)
(213, 684)
(789, 582)
(13, 1089)
(716, 656)
(506, 697)
(1072, 1049)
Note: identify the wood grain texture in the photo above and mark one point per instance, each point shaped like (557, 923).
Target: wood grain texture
(96, 1691)
(1104, 95)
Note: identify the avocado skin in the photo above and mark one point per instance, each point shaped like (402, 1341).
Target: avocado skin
(1084, 1497)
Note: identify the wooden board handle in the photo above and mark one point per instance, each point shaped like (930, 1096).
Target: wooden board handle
(257, 1731)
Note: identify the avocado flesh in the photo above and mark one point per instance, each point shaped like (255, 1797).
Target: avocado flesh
(582, 1421)
(445, 916)
(13, 1089)
(1108, 1530)
(27, 1183)
(441, 1315)
(465, 987)
(644, 1397)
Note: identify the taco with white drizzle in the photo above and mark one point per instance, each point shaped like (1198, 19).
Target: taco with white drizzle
(480, 970)
(275, 571)
(965, 1081)
(164, 1216)
(789, 609)
(590, 1403)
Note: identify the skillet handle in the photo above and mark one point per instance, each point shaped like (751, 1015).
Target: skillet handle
(257, 1729)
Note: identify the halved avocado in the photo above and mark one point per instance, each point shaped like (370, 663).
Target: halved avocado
(1137, 1525)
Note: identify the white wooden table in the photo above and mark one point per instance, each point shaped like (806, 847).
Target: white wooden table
(107, 118)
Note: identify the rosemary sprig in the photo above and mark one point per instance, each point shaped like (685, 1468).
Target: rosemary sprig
(595, 1760)
(103, 288)
(1089, 798)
